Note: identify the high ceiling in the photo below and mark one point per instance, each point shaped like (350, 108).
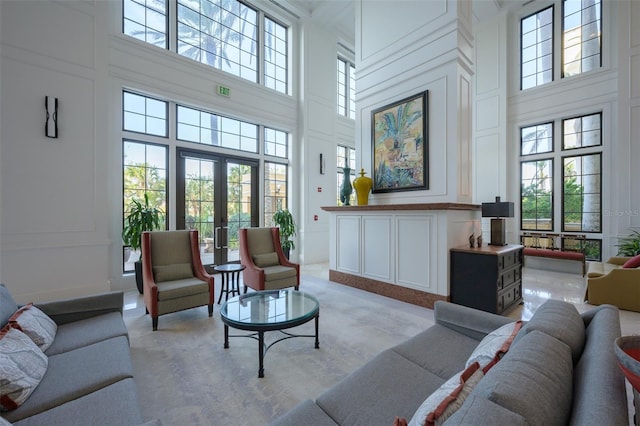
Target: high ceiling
(339, 15)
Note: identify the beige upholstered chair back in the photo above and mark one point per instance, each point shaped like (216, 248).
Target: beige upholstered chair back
(260, 241)
(170, 247)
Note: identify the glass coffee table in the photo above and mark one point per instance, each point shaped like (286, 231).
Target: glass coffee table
(273, 310)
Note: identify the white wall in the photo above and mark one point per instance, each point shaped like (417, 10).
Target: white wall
(401, 51)
(490, 145)
(55, 234)
(626, 208)
(321, 129)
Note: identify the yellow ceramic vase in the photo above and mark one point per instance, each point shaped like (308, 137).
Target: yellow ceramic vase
(363, 186)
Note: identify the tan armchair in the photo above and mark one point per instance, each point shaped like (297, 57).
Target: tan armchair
(608, 282)
(267, 268)
(172, 273)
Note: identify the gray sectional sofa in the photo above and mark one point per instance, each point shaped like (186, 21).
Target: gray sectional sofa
(89, 378)
(560, 370)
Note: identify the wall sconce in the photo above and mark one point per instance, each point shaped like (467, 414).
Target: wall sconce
(51, 125)
(497, 211)
(321, 164)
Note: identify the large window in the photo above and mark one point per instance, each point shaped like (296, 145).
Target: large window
(146, 20)
(582, 193)
(144, 164)
(346, 88)
(275, 55)
(276, 143)
(223, 35)
(536, 35)
(210, 129)
(144, 115)
(578, 208)
(227, 35)
(144, 171)
(537, 195)
(275, 190)
(581, 31)
(580, 46)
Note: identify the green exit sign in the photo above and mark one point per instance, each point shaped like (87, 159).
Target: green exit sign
(224, 91)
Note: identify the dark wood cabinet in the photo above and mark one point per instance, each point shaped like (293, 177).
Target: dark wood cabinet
(487, 278)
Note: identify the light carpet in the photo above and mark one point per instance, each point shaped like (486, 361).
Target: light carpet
(186, 377)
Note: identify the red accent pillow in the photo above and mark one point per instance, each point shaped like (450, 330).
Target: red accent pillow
(634, 262)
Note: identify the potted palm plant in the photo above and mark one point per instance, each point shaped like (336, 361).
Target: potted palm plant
(629, 246)
(140, 217)
(284, 220)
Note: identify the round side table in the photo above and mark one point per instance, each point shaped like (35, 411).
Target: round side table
(230, 274)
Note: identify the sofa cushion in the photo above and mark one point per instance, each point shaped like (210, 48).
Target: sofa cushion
(76, 334)
(22, 367)
(266, 259)
(494, 346)
(446, 358)
(547, 319)
(35, 324)
(634, 262)
(357, 399)
(176, 271)
(7, 305)
(534, 380)
(480, 411)
(448, 398)
(305, 413)
(76, 373)
(116, 404)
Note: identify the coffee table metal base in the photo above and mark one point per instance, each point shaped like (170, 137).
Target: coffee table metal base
(262, 347)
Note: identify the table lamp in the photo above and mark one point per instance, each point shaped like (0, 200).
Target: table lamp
(497, 211)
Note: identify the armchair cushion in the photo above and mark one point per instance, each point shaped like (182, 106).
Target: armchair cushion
(266, 259)
(272, 273)
(176, 271)
(181, 288)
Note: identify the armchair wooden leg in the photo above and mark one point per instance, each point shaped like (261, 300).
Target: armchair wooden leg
(211, 310)
(154, 322)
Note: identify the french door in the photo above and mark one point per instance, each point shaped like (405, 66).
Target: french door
(217, 195)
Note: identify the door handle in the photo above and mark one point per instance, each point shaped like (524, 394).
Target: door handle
(220, 234)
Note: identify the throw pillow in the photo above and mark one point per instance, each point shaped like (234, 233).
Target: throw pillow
(634, 262)
(494, 346)
(442, 403)
(35, 324)
(173, 272)
(267, 259)
(23, 367)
